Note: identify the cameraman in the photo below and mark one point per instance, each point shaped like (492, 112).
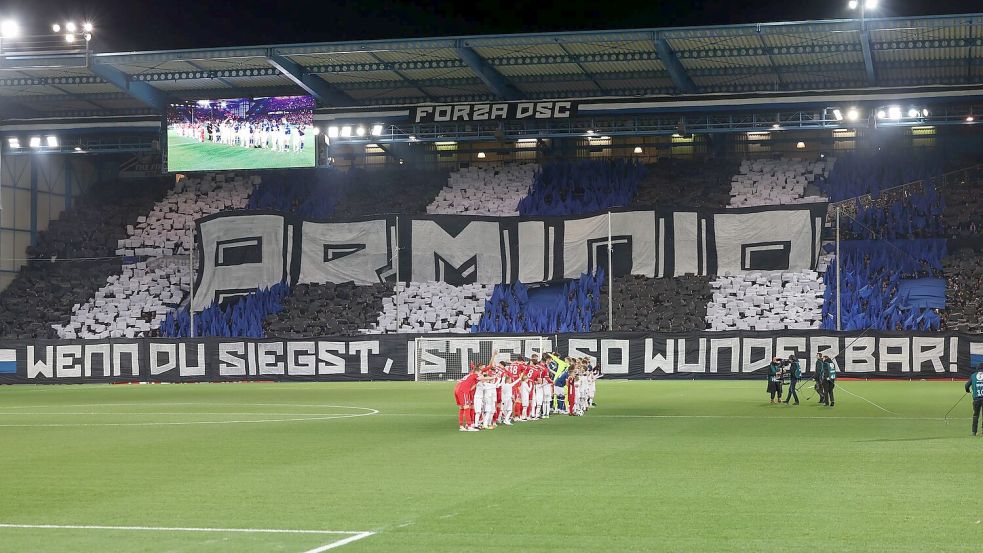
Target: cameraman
(775, 380)
(794, 374)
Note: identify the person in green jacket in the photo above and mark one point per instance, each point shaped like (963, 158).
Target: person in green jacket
(794, 374)
(775, 380)
(818, 377)
(829, 380)
(975, 386)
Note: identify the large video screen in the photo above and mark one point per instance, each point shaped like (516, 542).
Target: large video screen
(241, 133)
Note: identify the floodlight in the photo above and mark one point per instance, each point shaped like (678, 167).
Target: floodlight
(638, 149)
(56, 28)
(377, 130)
(52, 141)
(852, 4)
(481, 155)
(70, 27)
(70, 38)
(35, 142)
(776, 126)
(412, 138)
(853, 114)
(970, 119)
(837, 114)
(912, 112)
(87, 27)
(894, 112)
(78, 148)
(346, 131)
(317, 131)
(924, 112)
(800, 145)
(87, 37)
(590, 132)
(881, 114)
(333, 131)
(9, 29)
(360, 131)
(13, 143)
(871, 4)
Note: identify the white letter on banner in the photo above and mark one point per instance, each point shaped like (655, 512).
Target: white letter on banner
(734, 345)
(925, 349)
(301, 365)
(230, 360)
(859, 356)
(581, 347)
(133, 351)
(329, 363)
(748, 345)
(68, 361)
(39, 367)
(701, 362)
(156, 366)
(464, 349)
(185, 368)
(886, 358)
(786, 346)
(105, 353)
(267, 356)
(363, 349)
(657, 361)
(607, 367)
(505, 349)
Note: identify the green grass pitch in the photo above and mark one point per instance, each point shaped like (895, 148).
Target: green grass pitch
(186, 154)
(657, 466)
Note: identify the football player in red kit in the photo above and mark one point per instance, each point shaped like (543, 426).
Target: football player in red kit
(464, 396)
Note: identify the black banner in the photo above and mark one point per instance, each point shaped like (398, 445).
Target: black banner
(394, 357)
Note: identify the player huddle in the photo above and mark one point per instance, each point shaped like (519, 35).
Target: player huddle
(273, 134)
(524, 390)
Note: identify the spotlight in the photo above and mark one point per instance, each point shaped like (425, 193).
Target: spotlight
(377, 130)
(35, 142)
(912, 112)
(13, 143)
(481, 155)
(853, 114)
(894, 112)
(924, 112)
(9, 29)
(70, 27)
(70, 38)
(317, 131)
(52, 141)
(852, 4)
(881, 114)
(78, 148)
(638, 149)
(970, 119)
(87, 27)
(360, 131)
(776, 126)
(871, 4)
(56, 28)
(346, 131)
(800, 145)
(333, 132)
(837, 114)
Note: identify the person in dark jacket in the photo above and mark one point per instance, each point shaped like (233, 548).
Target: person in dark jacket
(794, 374)
(975, 386)
(818, 377)
(775, 380)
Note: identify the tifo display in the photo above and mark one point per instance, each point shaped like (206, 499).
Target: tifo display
(241, 133)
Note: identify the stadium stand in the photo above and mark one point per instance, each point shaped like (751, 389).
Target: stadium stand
(567, 307)
(856, 174)
(573, 188)
(487, 189)
(327, 310)
(964, 290)
(655, 304)
(138, 300)
(686, 183)
(402, 190)
(56, 279)
(422, 307)
(766, 301)
(762, 182)
(240, 317)
(878, 285)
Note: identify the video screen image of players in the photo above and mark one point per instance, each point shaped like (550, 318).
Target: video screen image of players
(241, 133)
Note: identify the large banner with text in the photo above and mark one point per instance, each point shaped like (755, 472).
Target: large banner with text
(242, 251)
(401, 357)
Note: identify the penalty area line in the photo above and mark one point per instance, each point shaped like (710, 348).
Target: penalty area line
(353, 535)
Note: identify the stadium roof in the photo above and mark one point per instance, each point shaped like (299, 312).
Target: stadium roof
(767, 57)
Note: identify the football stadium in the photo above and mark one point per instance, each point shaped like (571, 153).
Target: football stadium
(712, 288)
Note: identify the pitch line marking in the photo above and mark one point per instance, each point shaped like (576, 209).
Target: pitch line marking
(297, 417)
(752, 417)
(339, 543)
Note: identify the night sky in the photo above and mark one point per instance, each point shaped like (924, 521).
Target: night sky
(124, 25)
